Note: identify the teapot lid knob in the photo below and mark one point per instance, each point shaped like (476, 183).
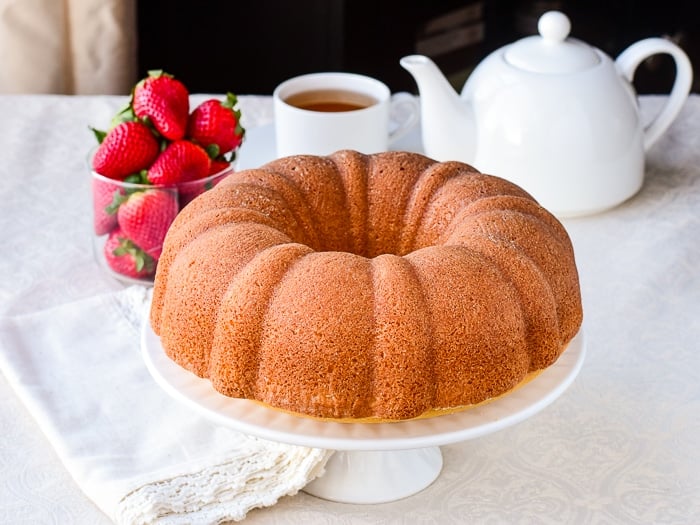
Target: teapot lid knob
(552, 51)
(554, 26)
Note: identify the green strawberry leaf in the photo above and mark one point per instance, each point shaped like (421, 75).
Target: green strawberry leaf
(213, 151)
(137, 178)
(126, 114)
(240, 130)
(117, 200)
(141, 259)
(99, 134)
(133, 179)
(147, 121)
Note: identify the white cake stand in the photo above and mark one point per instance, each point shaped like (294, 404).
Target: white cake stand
(374, 462)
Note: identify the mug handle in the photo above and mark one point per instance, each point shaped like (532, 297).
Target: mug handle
(627, 63)
(404, 113)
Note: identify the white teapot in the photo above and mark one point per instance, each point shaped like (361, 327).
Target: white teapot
(552, 114)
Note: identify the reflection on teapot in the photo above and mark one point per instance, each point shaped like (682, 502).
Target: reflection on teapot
(552, 114)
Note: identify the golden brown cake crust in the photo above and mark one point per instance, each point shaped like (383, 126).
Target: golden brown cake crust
(354, 286)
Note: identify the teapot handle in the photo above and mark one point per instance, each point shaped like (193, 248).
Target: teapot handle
(627, 63)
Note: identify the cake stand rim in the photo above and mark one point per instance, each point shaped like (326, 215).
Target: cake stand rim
(250, 417)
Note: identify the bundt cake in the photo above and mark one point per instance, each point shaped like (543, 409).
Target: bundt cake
(354, 286)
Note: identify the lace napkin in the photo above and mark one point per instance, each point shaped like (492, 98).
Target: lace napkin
(139, 455)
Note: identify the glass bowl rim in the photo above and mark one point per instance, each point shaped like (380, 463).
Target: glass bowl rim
(141, 186)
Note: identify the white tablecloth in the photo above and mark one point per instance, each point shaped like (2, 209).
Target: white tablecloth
(620, 446)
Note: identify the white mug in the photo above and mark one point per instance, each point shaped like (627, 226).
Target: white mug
(321, 113)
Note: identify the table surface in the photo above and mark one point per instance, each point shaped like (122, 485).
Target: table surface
(620, 445)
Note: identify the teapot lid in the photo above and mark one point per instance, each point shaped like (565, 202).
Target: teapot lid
(551, 51)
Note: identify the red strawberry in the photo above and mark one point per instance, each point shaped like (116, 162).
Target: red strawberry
(187, 191)
(181, 161)
(165, 102)
(105, 201)
(125, 258)
(127, 148)
(145, 218)
(216, 123)
(218, 166)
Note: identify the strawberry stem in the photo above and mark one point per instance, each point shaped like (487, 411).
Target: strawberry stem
(156, 73)
(231, 101)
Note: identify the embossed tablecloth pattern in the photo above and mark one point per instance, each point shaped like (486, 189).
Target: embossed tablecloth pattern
(620, 446)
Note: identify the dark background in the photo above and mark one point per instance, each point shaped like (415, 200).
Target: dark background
(249, 47)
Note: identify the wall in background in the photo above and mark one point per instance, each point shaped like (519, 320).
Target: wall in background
(249, 47)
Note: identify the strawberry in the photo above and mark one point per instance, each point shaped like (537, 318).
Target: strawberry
(125, 258)
(145, 218)
(164, 102)
(216, 124)
(181, 161)
(217, 166)
(187, 191)
(106, 197)
(127, 148)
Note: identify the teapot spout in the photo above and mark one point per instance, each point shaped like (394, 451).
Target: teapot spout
(448, 128)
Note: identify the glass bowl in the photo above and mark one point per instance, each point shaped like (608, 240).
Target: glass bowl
(130, 222)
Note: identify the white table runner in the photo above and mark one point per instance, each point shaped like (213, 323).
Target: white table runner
(138, 454)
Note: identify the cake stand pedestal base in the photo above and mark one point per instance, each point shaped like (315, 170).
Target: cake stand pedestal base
(368, 476)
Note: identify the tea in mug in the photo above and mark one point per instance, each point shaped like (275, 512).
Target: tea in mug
(330, 100)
